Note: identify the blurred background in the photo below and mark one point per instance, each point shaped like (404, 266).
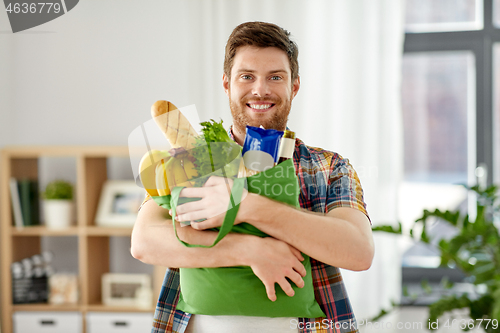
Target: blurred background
(405, 89)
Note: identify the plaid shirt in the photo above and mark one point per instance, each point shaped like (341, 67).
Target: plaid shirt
(327, 181)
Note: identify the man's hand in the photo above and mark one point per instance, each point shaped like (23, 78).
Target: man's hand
(273, 261)
(215, 199)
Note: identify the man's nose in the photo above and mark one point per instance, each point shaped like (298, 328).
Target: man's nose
(261, 87)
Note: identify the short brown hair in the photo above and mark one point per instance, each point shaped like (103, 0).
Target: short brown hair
(261, 34)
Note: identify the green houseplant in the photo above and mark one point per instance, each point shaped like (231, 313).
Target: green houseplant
(58, 204)
(58, 190)
(475, 250)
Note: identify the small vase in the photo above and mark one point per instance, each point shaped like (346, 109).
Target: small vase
(58, 214)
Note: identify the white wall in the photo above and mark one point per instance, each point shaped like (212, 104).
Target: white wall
(6, 74)
(90, 76)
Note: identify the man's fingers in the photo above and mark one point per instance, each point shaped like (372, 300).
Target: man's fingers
(287, 287)
(271, 293)
(202, 214)
(189, 207)
(192, 216)
(297, 253)
(193, 192)
(299, 268)
(297, 279)
(207, 224)
(214, 180)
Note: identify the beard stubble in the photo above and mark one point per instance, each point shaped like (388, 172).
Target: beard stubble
(278, 119)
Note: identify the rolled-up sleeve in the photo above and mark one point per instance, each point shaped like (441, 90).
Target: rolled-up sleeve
(344, 187)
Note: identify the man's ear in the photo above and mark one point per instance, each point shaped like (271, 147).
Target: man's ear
(295, 86)
(225, 84)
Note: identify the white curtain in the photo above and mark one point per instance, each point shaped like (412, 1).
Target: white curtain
(350, 55)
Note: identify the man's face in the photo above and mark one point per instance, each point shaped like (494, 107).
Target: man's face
(260, 91)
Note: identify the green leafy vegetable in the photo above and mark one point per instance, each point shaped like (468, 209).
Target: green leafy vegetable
(214, 132)
(215, 153)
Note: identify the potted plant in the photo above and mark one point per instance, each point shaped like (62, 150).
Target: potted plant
(475, 250)
(58, 204)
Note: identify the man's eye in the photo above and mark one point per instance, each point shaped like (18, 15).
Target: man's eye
(276, 78)
(246, 77)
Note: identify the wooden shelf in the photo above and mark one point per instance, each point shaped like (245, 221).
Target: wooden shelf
(93, 241)
(71, 231)
(107, 231)
(65, 151)
(46, 307)
(107, 308)
(43, 231)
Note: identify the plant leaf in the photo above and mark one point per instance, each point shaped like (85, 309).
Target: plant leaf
(389, 229)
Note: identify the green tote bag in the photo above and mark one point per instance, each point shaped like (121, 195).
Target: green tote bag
(237, 290)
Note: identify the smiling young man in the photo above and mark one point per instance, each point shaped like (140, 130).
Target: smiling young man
(260, 88)
(332, 228)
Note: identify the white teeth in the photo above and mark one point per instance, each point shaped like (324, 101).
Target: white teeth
(260, 106)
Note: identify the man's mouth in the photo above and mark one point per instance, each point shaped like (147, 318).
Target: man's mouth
(260, 106)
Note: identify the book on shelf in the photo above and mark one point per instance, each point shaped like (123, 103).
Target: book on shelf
(16, 203)
(25, 202)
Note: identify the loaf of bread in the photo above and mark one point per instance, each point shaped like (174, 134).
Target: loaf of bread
(174, 125)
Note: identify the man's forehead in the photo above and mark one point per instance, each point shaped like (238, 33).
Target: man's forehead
(251, 58)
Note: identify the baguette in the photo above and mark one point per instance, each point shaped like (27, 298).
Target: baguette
(174, 125)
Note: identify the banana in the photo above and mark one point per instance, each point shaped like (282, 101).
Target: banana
(179, 173)
(190, 172)
(161, 178)
(147, 167)
(162, 172)
(170, 167)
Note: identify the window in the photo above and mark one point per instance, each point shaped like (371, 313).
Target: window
(451, 108)
(496, 105)
(451, 119)
(443, 15)
(496, 13)
(437, 89)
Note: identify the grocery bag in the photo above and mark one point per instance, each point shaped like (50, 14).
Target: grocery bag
(237, 290)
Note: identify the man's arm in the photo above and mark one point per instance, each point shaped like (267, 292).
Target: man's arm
(154, 242)
(272, 260)
(341, 238)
